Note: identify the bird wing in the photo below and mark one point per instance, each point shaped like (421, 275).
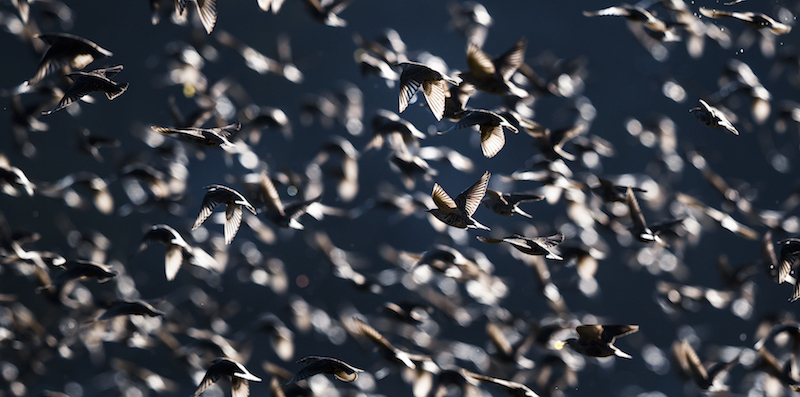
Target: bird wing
(233, 219)
(442, 199)
(492, 140)
(435, 92)
(470, 199)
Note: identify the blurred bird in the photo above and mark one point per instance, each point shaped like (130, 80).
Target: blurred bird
(598, 340)
(689, 363)
(90, 144)
(326, 365)
(639, 226)
(327, 11)
(66, 50)
(206, 10)
(433, 83)
(233, 200)
(471, 19)
(176, 248)
(514, 389)
(285, 217)
(211, 137)
(80, 270)
(240, 377)
(490, 126)
(494, 75)
(507, 204)
(123, 308)
(713, 117)
(85, 83)
(755, 20)
(789, 257)
(530, 245)
(458, 213)
(633, 13)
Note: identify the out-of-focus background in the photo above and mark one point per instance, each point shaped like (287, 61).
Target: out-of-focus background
(632, 92)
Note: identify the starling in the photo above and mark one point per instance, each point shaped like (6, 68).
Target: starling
(639, 227)
(204, 136)
(632, 13)
(789, 256)
(494, 75)
(85, 83)
(512, 388)
(206, 10)
(234, 201)
(326, 365)
(756, 20)
(66, 50)
(598, 340)
(176, 248)
(433, 83)
(285, 217)
(458, 213)
(713, 117)
(507, 204)
(530, 245)
(123, 308)
(491, 128)
(690, 363)
(240, 376)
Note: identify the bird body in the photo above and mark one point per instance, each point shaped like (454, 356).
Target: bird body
(233, 200)
(598, 340)
(326, 365)
(433, 83)
(713, 117)
(239, 375)
(490, 126)
(507, 204)
(85, 83)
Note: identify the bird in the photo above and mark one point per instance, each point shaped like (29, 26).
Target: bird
(639, 226)
(494, 75)
(633, 13)
(507, 204)
(515, 389)
(78, 269)
(326, 365)
(713, 117)
(284, 216)
(491, 127)
(211, 137)
(177, 247)
(84, 83)
(596, 340)
(327, 11)
(434, 86)
(458, 212)
(690, 364)
(240, 377)
(206, 10)
(756, 20)
(788, 257)
(66, 50)
(530, 245)
(124, 308)
(233, 200)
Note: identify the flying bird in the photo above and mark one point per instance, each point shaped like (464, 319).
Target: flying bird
(507, 204)
(490, 126)
(326, 365)
(177, 247)
(84, 83)
(210, 137)
(240, 377)
(233, 200)
(494, 75)
(530, 245)
(458, 212)
(433, 83)
(713, 117)
(66, 50)
(598, 340)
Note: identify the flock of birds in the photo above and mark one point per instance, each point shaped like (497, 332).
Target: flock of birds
(53, 310)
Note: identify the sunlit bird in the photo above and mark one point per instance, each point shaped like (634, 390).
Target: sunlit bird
(233, 200)
(458, 213)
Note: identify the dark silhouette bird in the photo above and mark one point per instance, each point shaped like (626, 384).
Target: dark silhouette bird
(211, 137)
(91, 144)
(458, 213)
(240, 377)
(433, 83)
(326, 365)
(490, 126)
(530, 245)
(123, 308)
(633, 13)
(327, 11)
(80, 270)
(609, 192)
(713, 117)
(494, 75)
(233, 200)
(514, 389)
(598, 340)
(788, 257)
(177, 247)
(639, 226)
(755, 20)
(84, 83)
(690, 364)
(282, 216)
(66, 50)
(507, 204)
